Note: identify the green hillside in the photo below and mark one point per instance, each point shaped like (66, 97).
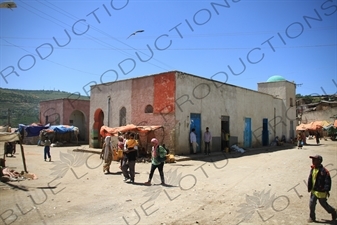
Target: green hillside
(22, 106)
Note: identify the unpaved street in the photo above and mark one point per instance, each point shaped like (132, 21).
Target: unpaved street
(264, 188)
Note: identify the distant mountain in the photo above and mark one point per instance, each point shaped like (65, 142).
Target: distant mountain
(22, 106)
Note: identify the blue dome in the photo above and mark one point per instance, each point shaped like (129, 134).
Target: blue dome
(275, 78)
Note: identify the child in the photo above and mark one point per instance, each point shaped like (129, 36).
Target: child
(47, 144)
(319, 185)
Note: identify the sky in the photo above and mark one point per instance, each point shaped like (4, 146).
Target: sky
(71, 45)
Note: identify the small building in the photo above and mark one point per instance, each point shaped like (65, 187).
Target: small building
(318, 111)
(181, 101)
(73, 112)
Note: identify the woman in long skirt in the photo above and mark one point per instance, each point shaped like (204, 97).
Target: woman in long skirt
(106, 154)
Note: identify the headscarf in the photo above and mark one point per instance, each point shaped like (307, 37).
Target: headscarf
(121, 142)
(107, 147)
(154, 148)
(120, 138)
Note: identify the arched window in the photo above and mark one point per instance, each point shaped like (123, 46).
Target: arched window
(149, 109)
(122, 116)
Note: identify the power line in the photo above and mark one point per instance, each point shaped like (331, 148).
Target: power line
(333, 28)
(93, 38)
(109, 36)
(68, 67)
(188, 49)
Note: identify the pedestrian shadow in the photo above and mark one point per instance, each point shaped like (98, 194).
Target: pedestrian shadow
(137, 183)
(117, 173)
(24, 188)
(18, 187)
(144, 184)
(114, 173)
(168, 185)
(53, 187)
(164, 185)
(323, 221)
(182, 164)
(312, 144)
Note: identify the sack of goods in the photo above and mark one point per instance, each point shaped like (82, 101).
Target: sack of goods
(115, 155)
(120, 153)
(170, 158)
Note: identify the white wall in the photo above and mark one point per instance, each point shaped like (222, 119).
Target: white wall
(213, 100)
(208, 98)
(120, 95)
(284, 90)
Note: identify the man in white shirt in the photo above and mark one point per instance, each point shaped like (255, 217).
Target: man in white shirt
(193, 140)
(207, 140)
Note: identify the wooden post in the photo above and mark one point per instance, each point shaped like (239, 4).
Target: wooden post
(23, 156)
(4, 159)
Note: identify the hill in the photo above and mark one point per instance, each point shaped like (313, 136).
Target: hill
(22, 106)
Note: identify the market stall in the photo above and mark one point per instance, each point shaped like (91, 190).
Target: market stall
(12, 137)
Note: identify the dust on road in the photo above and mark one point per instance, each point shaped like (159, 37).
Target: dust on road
(265, 188)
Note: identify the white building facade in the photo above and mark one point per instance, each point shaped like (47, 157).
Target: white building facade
(181, 101)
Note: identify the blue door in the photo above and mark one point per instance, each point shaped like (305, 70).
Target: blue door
(196, 124)
(247, 134)
(265, 133)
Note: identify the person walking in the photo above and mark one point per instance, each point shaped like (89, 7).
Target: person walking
(47, 144)
(120, 149)
(157, 150)
(129, 158)
(319, 186)
(106, 154)
(299, 141)
(193, 140)
(304, 137)
(207, 140)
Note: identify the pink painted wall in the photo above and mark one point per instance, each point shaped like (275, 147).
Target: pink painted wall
(159, 92)
(69, 106)
(52, 109)
(59, 112)
(164, 93)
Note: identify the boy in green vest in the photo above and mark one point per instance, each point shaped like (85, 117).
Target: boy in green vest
(319, 184)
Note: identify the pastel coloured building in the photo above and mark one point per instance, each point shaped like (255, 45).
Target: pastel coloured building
(180, 101)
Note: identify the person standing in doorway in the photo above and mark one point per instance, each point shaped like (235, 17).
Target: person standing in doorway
(193, 140)
(47, 144)
(207, 140)
(319, 186)
(225, 140)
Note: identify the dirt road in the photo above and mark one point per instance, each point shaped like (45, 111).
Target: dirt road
(265, 188)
